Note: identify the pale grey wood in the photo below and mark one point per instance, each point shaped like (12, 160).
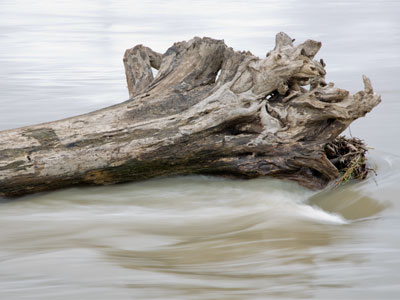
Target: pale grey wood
(262, 116)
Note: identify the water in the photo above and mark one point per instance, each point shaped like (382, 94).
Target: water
(197, 237)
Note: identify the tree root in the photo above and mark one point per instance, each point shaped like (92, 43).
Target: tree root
(273, 116)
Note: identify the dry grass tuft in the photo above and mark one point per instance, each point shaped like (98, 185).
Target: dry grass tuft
(349, 157)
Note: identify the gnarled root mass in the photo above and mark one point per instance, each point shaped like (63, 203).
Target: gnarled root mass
(273, 116)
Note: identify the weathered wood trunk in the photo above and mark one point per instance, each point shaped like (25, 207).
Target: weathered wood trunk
(254, 119)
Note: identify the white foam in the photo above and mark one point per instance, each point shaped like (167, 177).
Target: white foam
(317, 214)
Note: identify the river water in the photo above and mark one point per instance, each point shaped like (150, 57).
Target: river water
(198, 237)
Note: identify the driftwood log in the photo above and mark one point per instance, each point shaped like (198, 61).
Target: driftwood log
(209, 110)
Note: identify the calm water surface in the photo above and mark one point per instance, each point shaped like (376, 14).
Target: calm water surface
(198, 237)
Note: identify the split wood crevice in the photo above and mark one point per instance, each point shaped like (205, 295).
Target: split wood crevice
(209, 110)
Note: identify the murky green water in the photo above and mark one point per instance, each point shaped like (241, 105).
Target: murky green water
(197, 237)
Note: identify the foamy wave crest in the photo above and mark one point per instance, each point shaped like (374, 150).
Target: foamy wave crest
(321, 216)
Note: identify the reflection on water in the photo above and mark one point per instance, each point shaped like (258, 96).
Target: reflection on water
(197, 237)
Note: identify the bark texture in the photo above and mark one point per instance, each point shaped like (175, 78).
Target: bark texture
(271, 116)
